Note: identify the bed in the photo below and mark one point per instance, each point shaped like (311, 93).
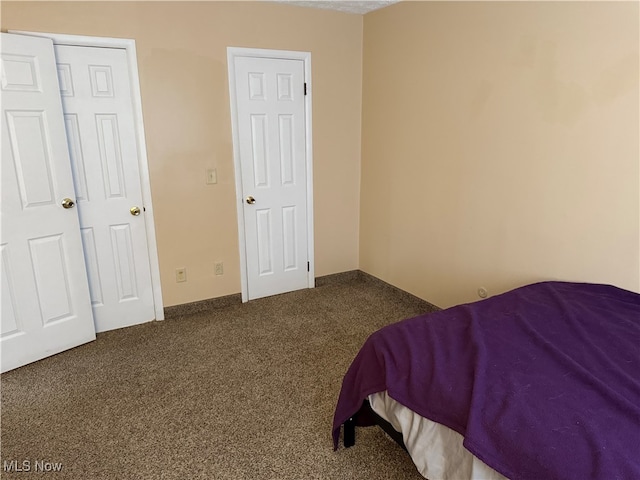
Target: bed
(542, 382)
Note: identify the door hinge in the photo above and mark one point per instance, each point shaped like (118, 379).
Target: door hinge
(308, 266)
(305, 88)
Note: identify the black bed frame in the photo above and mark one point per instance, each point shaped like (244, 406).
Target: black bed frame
(366, 416)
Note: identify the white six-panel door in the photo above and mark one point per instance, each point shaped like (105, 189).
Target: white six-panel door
(45, 299)
(271, 140)
(98, 112)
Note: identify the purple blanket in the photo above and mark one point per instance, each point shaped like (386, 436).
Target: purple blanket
(543, 382)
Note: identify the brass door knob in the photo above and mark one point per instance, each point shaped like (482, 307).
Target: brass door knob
(68, 203)
(251, 200)
(135, 211)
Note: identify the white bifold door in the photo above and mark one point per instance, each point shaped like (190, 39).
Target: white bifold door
(75, 248)
(97, 103)
(46, 306)
(270, 106)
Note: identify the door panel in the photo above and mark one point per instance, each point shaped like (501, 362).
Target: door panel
(77, 158)
(98, 105)
(53, 284)
(93, 270)
(45, 298)
(31, 158)
(10, 325)
(271, 131)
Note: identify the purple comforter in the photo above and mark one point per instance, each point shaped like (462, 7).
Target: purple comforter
(543, 382)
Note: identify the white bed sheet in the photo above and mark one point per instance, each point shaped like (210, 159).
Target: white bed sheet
(436, 450)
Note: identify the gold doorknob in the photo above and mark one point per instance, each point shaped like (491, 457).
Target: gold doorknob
(251, 200)
(135, 211)
(68, 203)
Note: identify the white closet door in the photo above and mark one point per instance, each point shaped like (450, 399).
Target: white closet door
(98, 111)
(45, 299)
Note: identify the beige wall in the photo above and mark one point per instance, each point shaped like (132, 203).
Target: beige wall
(500, 146)
(499, 140)
(181, 49)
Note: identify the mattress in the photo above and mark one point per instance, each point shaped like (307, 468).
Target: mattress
(436, 450)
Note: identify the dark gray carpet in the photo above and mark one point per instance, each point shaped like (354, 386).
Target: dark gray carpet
(234, 392)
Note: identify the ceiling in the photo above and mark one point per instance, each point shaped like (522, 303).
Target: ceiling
(360, 8)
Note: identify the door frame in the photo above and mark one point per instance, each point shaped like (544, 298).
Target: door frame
(129, 45)
(232, 53)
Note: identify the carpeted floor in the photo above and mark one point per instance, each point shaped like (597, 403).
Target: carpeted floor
(242, 391)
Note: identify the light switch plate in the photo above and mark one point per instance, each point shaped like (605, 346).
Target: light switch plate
(212, 176)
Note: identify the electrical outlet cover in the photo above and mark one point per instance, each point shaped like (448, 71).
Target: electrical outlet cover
(219, 268)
